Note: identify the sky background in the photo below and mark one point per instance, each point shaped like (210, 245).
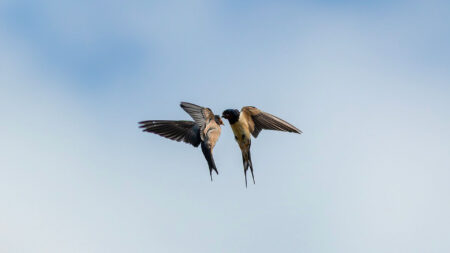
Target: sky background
(368, 82)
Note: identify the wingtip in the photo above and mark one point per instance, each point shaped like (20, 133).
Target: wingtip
(188, 104)
(144, 122)
(143, 125)
(185, 104)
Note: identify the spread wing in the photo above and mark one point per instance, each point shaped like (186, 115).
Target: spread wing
(177, 130)
(259, 120)
(201, 115)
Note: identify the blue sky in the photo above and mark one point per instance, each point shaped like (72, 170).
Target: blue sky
(367, 82)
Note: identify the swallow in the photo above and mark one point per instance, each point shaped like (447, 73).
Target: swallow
(250, 121)
(204, 130)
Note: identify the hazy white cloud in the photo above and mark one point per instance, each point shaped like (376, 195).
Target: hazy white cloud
(365, 84)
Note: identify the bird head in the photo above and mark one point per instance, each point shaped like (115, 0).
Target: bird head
(232, 115)
(218, 120)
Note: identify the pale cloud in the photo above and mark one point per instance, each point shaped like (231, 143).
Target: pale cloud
(365, 84)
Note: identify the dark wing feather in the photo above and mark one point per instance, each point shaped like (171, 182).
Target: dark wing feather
(201, 115)
(177, 130)
(263, 120)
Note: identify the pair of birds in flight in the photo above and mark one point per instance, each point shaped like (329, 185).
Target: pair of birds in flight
(205, 130)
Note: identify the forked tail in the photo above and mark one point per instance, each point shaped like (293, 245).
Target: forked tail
(247, 160)
(207, 152)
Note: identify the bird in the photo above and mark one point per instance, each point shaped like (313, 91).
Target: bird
(250, 121)
(204, 130)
